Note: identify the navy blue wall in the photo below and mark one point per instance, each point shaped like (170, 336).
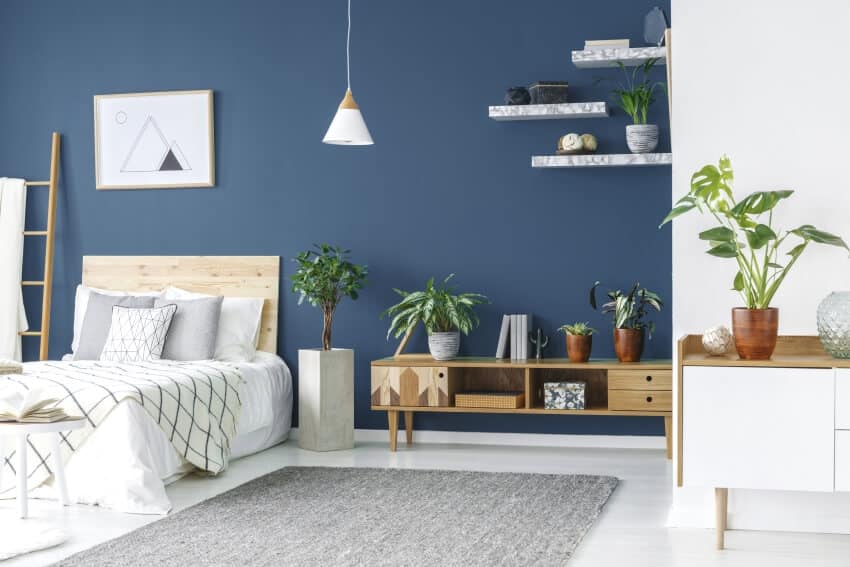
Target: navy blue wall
(443, 190)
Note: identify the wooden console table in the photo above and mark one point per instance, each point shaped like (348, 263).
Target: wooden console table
(778, 424)
(424, 385)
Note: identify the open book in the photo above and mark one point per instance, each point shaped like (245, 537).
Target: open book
(29, 406)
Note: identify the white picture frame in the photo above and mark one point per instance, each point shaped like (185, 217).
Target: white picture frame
(155, 140)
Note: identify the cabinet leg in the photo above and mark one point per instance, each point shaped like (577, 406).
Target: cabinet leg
(408, 426)
(721, 501)
(392, 417)
(668, 435)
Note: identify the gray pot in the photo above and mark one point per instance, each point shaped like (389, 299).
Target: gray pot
(642, 138)
(444, 346)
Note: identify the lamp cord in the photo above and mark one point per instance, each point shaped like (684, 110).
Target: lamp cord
(348, 49)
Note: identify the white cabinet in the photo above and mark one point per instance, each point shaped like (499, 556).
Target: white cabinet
(762, 428)
(842, 398)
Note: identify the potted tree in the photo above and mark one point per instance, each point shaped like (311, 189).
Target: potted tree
(444, 314)
(634, 95)
(745, 235)
(630, 310)
(579, 338)
(326, 376)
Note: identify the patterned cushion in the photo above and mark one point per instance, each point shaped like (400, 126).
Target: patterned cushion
(137, 334)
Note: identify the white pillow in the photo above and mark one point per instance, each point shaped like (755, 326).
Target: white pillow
(81, 303)
(238, 324)
(137, 334)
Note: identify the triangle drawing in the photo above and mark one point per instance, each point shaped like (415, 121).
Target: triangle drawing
(148, 149)
(170, 163)
(180, 156)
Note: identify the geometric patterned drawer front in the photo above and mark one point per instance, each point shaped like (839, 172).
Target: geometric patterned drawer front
(640, 379)
(412, 386)
(640, 400)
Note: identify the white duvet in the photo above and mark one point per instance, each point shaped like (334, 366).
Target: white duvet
(127, 461)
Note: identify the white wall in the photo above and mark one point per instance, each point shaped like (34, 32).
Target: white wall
(766, 83)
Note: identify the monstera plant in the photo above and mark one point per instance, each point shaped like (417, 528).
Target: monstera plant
(763, 254)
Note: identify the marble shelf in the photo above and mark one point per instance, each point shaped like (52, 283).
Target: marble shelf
(549, 111)
(602, 160)
(631, 57)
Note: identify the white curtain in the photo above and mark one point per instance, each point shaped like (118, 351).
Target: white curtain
(13, 204)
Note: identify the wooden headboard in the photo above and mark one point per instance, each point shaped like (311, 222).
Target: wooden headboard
(230, 276)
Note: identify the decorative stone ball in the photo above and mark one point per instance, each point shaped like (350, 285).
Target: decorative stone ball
(570, 144)
(717, 340)
(589, 141)
(517, 95)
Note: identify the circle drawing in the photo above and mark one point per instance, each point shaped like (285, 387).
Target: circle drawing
(120, 117)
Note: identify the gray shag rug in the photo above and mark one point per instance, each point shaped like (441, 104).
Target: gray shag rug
(353, 516)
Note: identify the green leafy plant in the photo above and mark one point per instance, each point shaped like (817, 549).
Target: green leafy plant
(631, 308)
(635, 94)
(324, 277)
(579, 329)
(743, 234)
(437, 307)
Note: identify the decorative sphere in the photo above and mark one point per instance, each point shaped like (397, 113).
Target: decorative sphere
(717, 340)
(589, 141)
(570, 144)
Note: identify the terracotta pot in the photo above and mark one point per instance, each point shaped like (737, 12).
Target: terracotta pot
(578, 347)
(628, 344)
(755, 332)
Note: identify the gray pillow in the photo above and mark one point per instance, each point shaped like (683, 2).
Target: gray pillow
(98, 319)
(194, 328)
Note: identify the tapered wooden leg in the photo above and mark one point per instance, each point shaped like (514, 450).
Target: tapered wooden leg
(721, 501)
(408, 426)
(392, 416)
(668, 435)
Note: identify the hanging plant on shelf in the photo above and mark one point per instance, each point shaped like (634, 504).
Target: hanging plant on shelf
(745, 235)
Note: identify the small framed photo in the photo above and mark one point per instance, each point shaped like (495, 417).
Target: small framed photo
(155, 140)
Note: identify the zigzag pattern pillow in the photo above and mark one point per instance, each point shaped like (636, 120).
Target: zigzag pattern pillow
(137, 334)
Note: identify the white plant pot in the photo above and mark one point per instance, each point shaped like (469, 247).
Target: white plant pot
(642, 138)
(444, 346)
(326, 399)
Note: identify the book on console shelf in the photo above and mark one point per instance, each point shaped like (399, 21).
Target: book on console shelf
(29, 407)
(513, 337)
(602, 44)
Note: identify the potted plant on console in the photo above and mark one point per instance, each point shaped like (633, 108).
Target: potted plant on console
(444, 314)
(743, 234)
(579, 341)
(630, 310)
(634, 96)
(326, 376)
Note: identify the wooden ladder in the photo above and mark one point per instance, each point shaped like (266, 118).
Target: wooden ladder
(46, 283)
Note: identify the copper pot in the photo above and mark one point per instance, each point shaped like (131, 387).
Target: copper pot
(755, 332)
(578, 347)
(628, 344)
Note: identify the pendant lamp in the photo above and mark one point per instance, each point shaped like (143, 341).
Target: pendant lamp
(348, 127)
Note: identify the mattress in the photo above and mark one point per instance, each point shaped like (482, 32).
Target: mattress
(126, 463)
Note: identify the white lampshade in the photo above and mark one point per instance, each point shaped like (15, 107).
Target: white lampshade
(348, 127)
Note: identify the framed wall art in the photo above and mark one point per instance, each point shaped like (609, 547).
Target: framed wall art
(154, 140)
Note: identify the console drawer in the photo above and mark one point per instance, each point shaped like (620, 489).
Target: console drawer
(640, 400)
(432, 386)
(640, 379)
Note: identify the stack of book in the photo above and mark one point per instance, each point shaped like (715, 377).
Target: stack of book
(29, 407)
(513, 337)
(603, 44)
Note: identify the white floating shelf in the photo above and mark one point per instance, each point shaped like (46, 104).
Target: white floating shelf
(549, 111)
(631, 57)
(602, 160)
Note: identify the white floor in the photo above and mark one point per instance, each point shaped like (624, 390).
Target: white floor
(630, 531)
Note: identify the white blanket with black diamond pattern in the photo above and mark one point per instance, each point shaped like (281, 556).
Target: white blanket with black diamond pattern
(196, 404)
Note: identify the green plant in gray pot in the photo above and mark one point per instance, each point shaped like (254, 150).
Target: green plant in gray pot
(634, 95)
(444, 313)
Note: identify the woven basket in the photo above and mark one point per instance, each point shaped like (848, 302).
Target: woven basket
(498, 400)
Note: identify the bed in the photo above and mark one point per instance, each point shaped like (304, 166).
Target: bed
(130, 452)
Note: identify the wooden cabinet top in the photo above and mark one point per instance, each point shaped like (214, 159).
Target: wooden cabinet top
(490, 362)
(791, 352)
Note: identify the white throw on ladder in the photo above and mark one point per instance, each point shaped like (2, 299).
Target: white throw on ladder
(13, 201)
